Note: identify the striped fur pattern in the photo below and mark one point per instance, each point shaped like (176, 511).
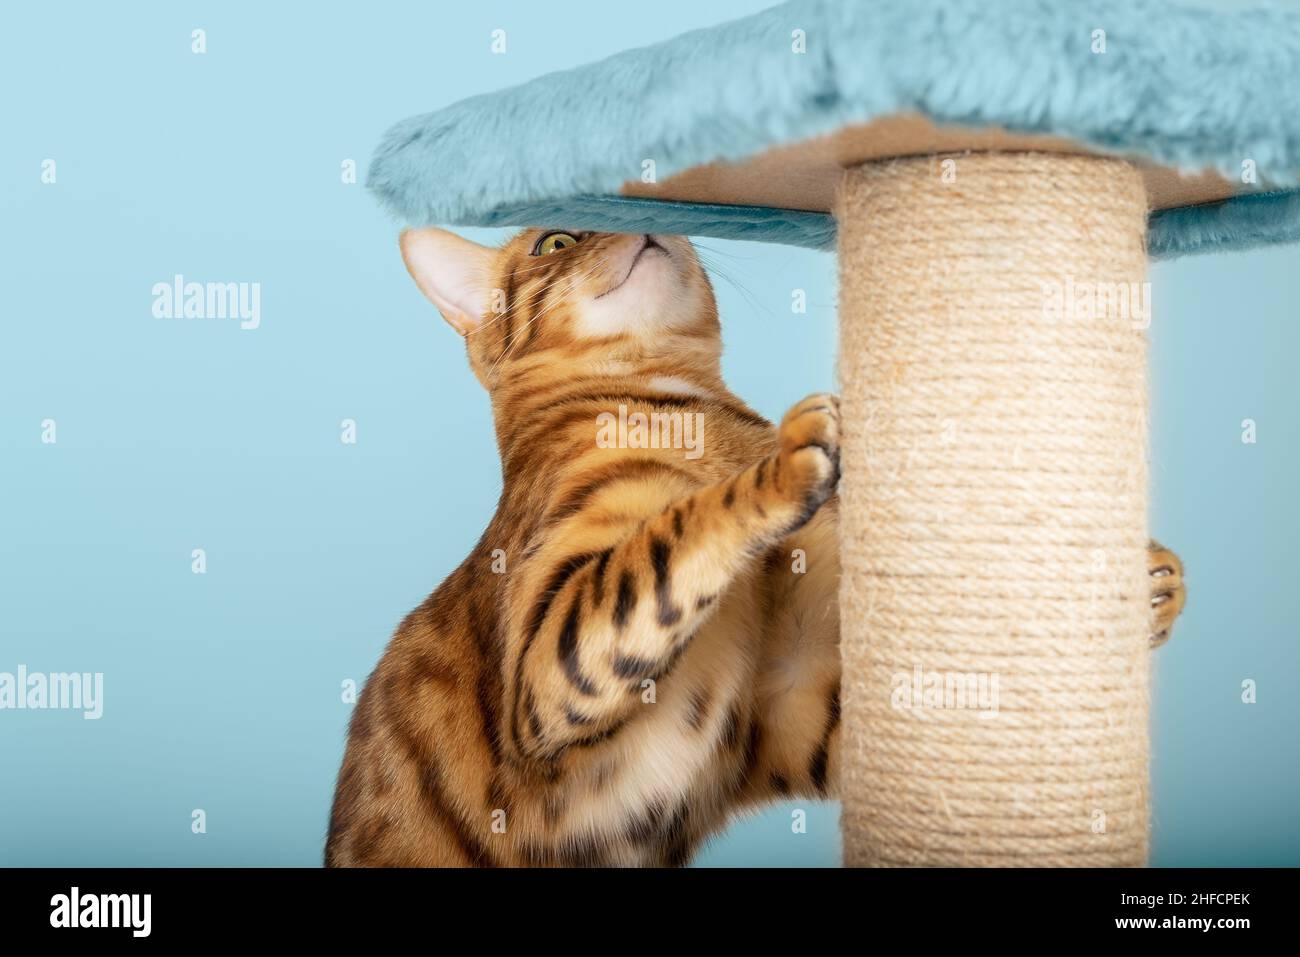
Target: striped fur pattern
(648, 661)
(642, 643)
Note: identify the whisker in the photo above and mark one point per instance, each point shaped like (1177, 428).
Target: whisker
(715, 269)
(512, 339)
(568, 288)
(520, 301)
(699, 246)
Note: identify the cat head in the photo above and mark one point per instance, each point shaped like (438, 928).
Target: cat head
(565, 294)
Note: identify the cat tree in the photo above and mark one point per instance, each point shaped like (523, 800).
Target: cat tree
(994, 176)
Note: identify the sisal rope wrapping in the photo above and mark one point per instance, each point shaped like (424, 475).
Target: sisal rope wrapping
(993, 512)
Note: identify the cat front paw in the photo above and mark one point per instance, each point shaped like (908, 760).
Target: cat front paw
(1168, 595)
(808, 466)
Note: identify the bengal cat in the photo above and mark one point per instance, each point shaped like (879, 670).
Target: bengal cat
(645, 640)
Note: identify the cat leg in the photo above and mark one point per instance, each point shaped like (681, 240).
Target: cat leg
(793, 746)
(603, 620)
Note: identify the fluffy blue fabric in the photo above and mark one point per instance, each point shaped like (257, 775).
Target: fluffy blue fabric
(1180, 82)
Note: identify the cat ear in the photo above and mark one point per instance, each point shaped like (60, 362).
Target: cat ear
(453, 273)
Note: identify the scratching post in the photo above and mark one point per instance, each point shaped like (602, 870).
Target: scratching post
(994, 512)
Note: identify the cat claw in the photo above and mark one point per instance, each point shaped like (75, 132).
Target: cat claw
(1168, 595)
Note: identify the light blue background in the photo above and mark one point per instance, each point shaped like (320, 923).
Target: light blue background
(223, 690)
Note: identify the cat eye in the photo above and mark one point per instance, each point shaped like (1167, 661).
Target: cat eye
(554, 242)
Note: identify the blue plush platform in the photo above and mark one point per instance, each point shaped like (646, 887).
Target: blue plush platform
(1192, 84)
